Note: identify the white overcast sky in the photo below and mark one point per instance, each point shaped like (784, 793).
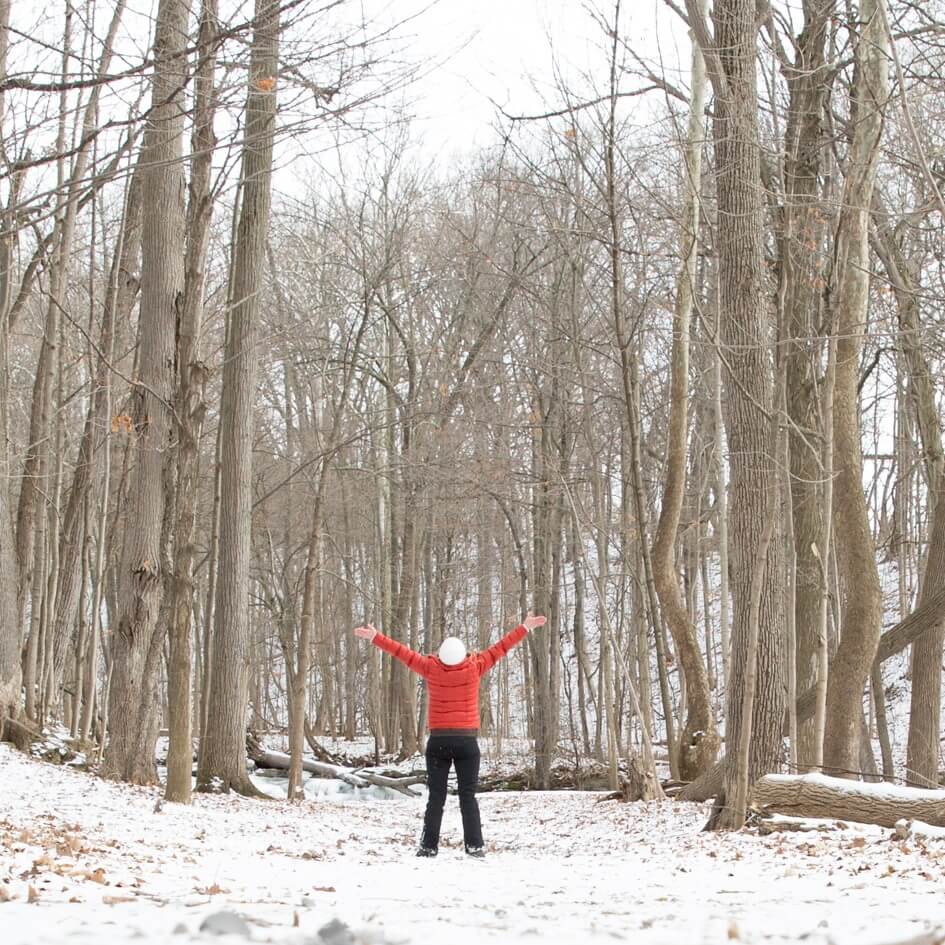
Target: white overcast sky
(504, 51)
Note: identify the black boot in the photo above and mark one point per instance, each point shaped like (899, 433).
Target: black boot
(426, 851)
(478, 852)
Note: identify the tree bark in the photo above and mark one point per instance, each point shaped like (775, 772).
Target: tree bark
(862, 595)
(129, 754)
(10, 667)
(815, 795)
(731, 62)
(222, 755)
(71, 541)
(802, 273)
(190, 409)
(922, 757)
(698, 741)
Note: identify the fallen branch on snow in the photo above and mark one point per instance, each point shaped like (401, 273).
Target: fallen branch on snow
(778, 823)
(356, 777)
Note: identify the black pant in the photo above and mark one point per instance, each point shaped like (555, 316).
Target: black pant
(462, 751)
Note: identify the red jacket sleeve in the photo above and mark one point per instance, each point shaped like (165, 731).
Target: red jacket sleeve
(488, 658)
(412, 660)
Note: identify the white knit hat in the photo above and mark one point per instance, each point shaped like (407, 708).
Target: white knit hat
(452, 651)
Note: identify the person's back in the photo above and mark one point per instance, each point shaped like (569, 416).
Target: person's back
(453, 694)
(452, 679)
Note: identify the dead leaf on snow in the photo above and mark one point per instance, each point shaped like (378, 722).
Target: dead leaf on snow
(44, 861)
(213, 890)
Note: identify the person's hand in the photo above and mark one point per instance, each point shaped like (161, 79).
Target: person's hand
(367, 632)
(531, 621)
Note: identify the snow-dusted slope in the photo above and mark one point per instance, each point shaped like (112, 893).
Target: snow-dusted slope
(103, 865)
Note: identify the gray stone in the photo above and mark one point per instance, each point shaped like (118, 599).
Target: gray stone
(179, 929)
(335, 933)
(225, 923)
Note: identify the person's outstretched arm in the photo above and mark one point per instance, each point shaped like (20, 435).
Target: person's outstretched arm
(488, 658)
(411, 659)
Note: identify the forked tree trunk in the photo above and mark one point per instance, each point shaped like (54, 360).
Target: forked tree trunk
(129, 754)
(222, 755)
(699, 741)
(922, 757)
(863, 601)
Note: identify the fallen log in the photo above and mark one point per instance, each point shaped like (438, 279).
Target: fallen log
(816, 795)
(21, 735)
(706, 786)
(356, 777)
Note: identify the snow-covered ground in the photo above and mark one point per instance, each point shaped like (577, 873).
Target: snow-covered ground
(83, 860)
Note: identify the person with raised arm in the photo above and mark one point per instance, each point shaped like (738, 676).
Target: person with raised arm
(452, 676)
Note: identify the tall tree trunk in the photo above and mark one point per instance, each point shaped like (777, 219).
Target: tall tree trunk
(10, 624)
(190, 409)
(299, 672)
(862, 595)
(129, 754)
(802, 273)
(540, 645)
(120, 295)
(699, 740)
(223, 755)
(731, 63)
(38, 450)
(70, 538)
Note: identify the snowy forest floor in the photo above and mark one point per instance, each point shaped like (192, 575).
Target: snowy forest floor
(84, 860)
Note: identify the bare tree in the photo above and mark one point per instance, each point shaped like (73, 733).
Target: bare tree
(222, 764)
(862, 594)
(132, 711)
(698, 738)
(190, 408)
(10, 672)
(730, 57)
(803, 274)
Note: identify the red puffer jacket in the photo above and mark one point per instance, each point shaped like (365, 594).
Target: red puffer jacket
(453, 690)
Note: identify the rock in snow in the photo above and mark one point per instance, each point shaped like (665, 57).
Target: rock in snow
(335, 933)
(225, 923)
